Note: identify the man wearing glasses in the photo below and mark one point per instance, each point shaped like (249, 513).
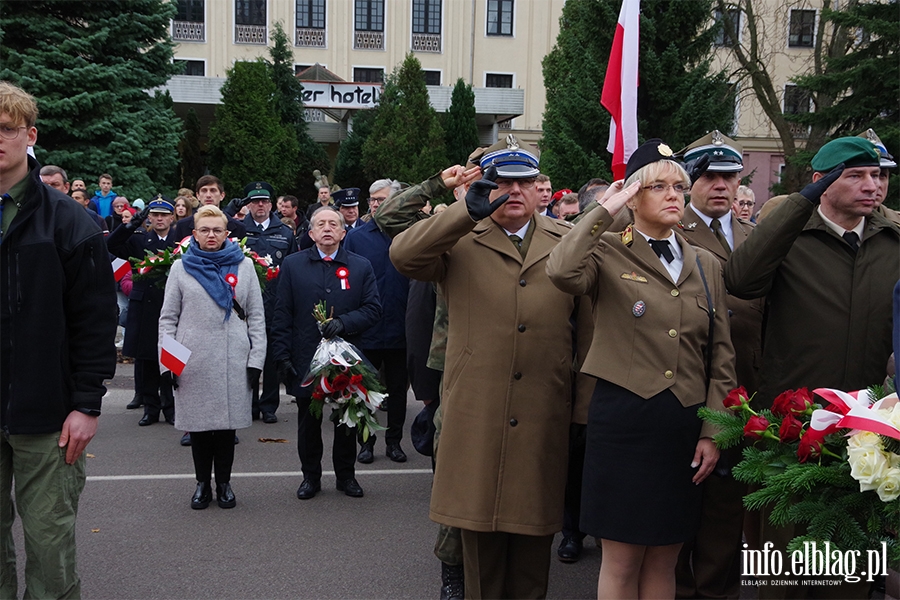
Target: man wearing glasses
(57, 331)
(501, 470)
(709, 566)
(267, 236)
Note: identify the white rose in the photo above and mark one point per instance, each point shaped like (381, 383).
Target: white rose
(889, 488)
(863, 439)
(868, 465)
(892, 415)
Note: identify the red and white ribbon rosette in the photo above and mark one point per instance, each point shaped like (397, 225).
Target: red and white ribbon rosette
(856, 411)
(343, 273)
(231, 279)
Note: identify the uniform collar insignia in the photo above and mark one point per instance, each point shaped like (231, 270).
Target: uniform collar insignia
(628, 236)
(689, 227)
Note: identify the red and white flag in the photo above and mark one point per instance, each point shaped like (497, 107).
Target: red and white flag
(173, 356)
(120, 268)
(620, 87)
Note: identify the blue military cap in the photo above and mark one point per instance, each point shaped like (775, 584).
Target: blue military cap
(161, 204)
(346, 197)
(510, 160)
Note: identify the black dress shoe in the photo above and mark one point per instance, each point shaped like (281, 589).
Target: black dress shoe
(203, 496)
(569, 550)
(255, 416)
(308, 489)
(350, 487)
(170, 420)
(453, 582)
(224, 495)
(186, 439)
(136, 402)
(366, 456)
(269, 417)
(395, 453)
(148, 420)
(236, 440)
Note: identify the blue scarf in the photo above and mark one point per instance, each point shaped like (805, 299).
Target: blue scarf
(210, 269)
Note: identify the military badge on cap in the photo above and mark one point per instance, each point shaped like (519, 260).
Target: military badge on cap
(725, 154)
(510, 159)
(651, 151)
(887, 161)
(161, 204)
(258, 190)
(346, 197)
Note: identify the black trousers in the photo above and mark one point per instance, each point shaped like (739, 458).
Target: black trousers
(310, 447)
(396, 375)
(211, 448)
(271, 387)
(156, 395)
(572, 502)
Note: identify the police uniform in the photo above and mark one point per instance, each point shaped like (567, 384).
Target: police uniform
(347, 197)
(275, 241)
(709, 565)
(144, 306)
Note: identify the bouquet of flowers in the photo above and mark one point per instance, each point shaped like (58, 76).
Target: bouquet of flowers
(156, 265)
(834, 469)
(344, 381)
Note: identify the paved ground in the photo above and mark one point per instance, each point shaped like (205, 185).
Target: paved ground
(138, 537)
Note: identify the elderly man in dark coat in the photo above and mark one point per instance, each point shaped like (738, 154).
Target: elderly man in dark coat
(144, 305)
(346, 283)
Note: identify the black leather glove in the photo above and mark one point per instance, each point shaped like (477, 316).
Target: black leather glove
(697, 167)
(253, 376)
(138, 219)
(170, 378)
(235, 206)
(813, 192)
(286, 371)
(332, 328)
(478, 198)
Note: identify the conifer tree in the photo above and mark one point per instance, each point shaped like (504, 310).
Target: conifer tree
(349, 168)
(679, 99)
(192, 167)
(407, 140)
(247, 141)
(89, 65)
(460, 128)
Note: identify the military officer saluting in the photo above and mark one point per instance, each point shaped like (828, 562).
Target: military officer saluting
(709, 565)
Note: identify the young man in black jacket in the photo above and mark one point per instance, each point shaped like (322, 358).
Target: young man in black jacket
(57, 334)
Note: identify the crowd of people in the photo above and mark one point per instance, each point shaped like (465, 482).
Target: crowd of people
(561, 343)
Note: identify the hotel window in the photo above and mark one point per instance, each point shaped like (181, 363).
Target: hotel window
(728, 30)
(368, 75)
(803, 29)
(194, 68)
(188, 25)
(311, 14)
(499, 17)
(250, 22)
(370, 15)
(426, 16)
(796, 100)
(498, 80)
(432, 77)
(189, 10)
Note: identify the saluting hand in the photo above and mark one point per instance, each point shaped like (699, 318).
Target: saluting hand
(813, 192)
(478, 198)
(456, 176)
(614, 202)
(139, 218)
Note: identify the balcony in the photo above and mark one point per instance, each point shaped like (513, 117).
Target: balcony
(188, 31)
(309, 38)
(250, 34)
(368, 40)
(426, 42)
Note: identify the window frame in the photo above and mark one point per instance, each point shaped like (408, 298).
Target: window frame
(309, 10)
(193, 60)
(369, 3)
(428, 17)
(440, 74)
(813, 26)
(368, 68)
(720, 40)
(499, 18)
(201, 2)
(512, 77)
(784, 100)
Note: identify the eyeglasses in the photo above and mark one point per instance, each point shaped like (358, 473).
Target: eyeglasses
(259, 201)
(661, 188)
(506, 184)
(10, 133)
(204, 231)
(745, 203)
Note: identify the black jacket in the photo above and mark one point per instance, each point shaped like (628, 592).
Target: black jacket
(57, 312)
(277, 242)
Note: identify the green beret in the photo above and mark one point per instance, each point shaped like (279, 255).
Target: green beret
(852, 151)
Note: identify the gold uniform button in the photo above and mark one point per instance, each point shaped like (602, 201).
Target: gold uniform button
(674, 293)
(672, 333)
(669, 374)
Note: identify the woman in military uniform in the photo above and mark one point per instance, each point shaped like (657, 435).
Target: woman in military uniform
(661, 349)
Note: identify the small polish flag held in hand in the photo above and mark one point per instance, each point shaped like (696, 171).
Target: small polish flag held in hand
(120, 268)
(173, 356)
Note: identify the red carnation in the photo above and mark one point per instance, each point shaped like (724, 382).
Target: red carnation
(790, 429)
(735, 398)
(340, 382)
(811, 445)
(756, 426)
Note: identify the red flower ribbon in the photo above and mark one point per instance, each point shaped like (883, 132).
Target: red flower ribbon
(231, 279)
(344, 275)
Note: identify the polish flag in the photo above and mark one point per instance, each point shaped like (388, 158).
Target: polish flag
(120, 268)
(173, 356)
(620, 88)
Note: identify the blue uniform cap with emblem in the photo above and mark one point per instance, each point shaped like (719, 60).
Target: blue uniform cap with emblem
(887, 161)
(725, 154)
(161, 204)
(649, 152)
(259, 190)
(510, 160)
(852, 151)
(346, 197)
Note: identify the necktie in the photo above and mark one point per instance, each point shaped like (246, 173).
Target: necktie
(716, 227)
(260, 227)
(662, 249)
(326, 258)
(851, 238)
(517, 241)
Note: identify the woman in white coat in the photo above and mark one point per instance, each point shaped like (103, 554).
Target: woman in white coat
(213, 306)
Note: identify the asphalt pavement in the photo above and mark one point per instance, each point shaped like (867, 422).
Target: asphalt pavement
(138, 537)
